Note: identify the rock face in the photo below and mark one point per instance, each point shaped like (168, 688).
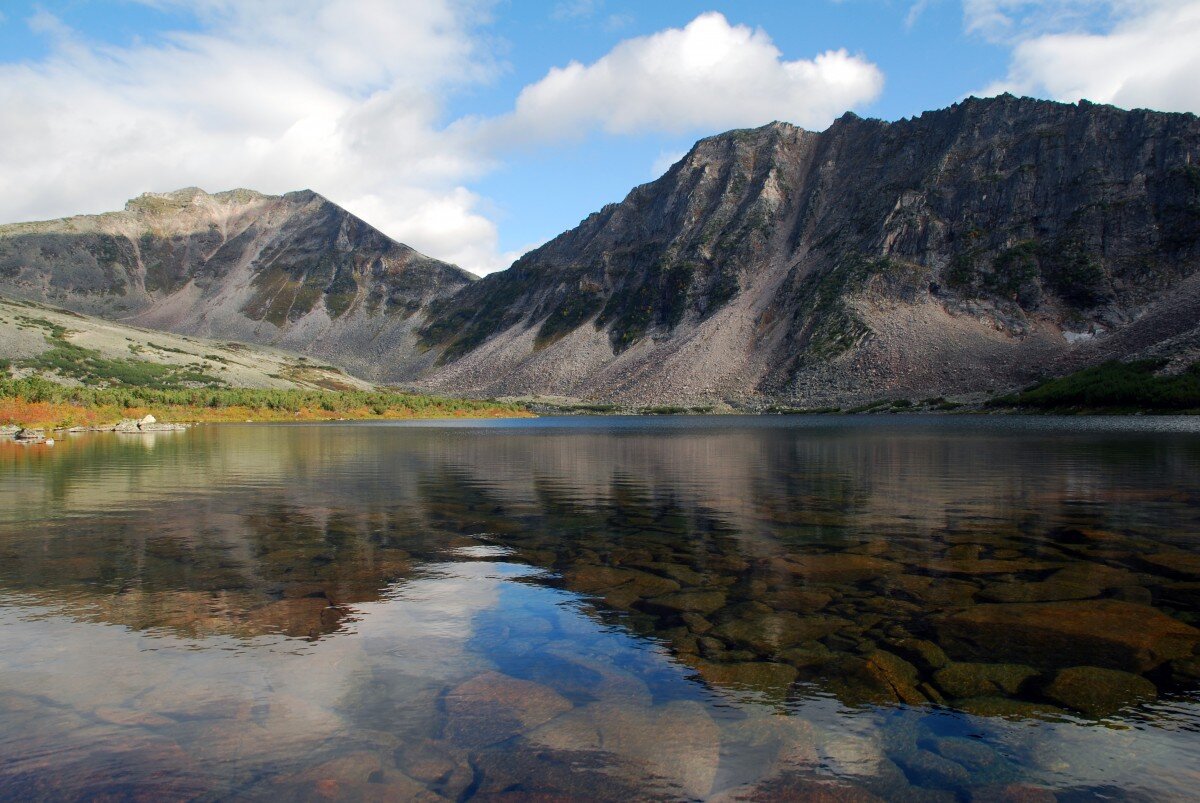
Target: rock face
(293, 271)
(969, 248)
(966, 250)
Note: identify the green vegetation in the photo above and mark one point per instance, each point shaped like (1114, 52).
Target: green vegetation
(779, 409)
(166, 348)
(660, 300)
(576, 310)
(470, 317)
(832, 326)
(71, 361)
(1066, 267)
(673, 410)
(37, 401)
(1114, 386)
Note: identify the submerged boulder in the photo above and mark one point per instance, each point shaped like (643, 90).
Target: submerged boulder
(1096, 691)
(1105, 632)
(492, 707)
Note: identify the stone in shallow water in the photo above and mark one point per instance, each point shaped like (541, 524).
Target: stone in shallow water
(537, 773)
(1007, 707)
(930, 591)
(973, 755)
(988, 566)
(838, 567)
(1104, 632)
(926, 768)
(799, 786)
(798, 599)
(922, 652)
(677, 742)
(492, 707)
(766, 677)
(1098, 692)
(592, 579)
(1012, 793)
(703, 602)
(982, 680)
(1176, 562)
(1078, 581)
(767, 634)
(878, 678)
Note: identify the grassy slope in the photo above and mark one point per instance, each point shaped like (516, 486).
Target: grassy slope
(1113, 387)
(60, 369)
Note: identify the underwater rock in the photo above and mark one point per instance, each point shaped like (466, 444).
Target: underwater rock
(492, 707)
(678, 741)
(702, 602)
(1096, 691)
(1104, 632)
(981, 680)
(839, 567)
(767, 677)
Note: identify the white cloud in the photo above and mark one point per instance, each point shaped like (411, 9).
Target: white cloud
(340, 96)
(575, 9)
(664, 161)
(346, 97)
(1147, 55)
(707, 76)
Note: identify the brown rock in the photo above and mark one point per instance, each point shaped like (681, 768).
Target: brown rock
(1105, 632)
(1098, 692)
(988, 566)
(493, 707)
(932, 592)
(678, 742)
(799, 599)
(765, 677)
(770, 633)
(590, 579)
(1012, 793)
(922, 652)
(838, 567)
(703, 602)
(1175, 562)
(982, 680)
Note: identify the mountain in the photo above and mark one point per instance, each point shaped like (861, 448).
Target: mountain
(293, 271)
(969, 249)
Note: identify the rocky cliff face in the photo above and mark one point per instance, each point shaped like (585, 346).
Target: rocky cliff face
(294, 271)
(968, 249)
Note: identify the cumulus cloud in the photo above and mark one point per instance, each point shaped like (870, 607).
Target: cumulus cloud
(707, 76)
(1145, 55)
(341, 96)
(346, 97)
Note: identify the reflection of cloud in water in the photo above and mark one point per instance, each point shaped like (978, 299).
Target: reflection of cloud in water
(752, 591)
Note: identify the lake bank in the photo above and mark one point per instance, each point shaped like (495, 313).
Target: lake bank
(40, 404)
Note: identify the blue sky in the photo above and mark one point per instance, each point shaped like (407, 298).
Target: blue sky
(461, 127)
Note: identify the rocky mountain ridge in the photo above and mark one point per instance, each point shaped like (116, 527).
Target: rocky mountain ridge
(967, 250)
(293, 271)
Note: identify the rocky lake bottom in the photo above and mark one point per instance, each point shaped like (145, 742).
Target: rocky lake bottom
(721, 608)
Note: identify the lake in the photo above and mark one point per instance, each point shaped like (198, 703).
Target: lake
(841, 608)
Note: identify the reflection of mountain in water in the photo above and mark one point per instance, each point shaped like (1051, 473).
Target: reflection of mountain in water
(995, 572)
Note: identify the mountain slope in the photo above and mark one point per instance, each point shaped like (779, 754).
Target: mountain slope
(968, 249)
(293, 271)
(66, 347)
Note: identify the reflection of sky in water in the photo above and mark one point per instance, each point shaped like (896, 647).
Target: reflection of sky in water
(448, 555)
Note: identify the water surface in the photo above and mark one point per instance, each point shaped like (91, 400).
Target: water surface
(605, 608)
